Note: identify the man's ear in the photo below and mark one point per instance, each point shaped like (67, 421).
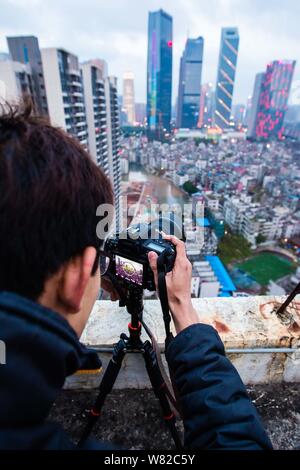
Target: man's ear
(74, 279)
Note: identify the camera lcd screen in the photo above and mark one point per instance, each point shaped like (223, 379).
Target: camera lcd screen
(155, 247)
(129, 270)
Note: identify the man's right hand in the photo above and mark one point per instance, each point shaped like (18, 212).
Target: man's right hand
(178, 283)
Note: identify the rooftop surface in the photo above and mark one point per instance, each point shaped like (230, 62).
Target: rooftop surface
(131, 419)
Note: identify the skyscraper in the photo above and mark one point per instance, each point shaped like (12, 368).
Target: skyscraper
(65, 92)
(247, 114)
(113, 132)
(95, 106)
(25, 49)
(102, 112)
(238, 114)
(128, 97)
(140, 112)
(159, 73)
(270, 98)
(189, 88)
(259, 77)
(206, 105)
(226, 76)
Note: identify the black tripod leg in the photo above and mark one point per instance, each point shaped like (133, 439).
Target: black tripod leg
(106, 385)
(158, 385)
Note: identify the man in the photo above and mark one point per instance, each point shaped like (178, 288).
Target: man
(49, 280)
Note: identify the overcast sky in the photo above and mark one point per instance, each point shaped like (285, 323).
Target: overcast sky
(116, 30)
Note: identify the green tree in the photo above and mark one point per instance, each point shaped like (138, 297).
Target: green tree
(233, 247)
(189, 187)
(260, 238)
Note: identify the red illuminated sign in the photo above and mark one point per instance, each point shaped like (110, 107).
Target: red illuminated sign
(170, 43)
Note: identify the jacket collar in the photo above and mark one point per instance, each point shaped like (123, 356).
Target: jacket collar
(41, 351)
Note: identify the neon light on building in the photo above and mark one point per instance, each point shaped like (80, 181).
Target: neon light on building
(271, 93)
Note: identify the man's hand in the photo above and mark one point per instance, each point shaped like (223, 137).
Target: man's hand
(107, 285)
(178, 283)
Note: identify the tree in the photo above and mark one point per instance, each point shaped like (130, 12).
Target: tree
(189, 187)
(260, 239)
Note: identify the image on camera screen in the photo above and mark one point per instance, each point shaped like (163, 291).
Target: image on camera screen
(129, 270)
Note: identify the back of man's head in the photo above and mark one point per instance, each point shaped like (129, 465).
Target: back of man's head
(50, 189)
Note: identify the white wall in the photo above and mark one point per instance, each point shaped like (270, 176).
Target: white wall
(53, 87)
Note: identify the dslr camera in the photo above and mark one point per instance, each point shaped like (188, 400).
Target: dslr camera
(125, 257)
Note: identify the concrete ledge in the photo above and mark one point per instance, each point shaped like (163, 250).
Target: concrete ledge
(245, 324)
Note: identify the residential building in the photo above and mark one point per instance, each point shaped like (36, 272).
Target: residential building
(64, 90)
(15, 81)
(25, 49)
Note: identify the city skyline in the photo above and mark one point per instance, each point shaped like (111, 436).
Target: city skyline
(122, 39)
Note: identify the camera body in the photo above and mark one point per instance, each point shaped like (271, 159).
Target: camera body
(128, 255)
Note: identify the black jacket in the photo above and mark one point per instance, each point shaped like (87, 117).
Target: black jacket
(217, 411)
(42, 350)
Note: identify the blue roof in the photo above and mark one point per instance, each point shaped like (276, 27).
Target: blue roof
(203, 222)
(222, 275)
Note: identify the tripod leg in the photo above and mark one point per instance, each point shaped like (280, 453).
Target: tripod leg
(158, 385)
(106, 385)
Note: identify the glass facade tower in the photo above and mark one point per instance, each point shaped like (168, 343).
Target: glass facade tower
(226, 76)
(189, 89)
(159, 73)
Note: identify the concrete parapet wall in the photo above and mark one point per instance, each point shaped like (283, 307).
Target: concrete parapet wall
(263, 346)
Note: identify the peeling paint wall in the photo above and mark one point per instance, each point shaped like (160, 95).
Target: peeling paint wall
(246, 322)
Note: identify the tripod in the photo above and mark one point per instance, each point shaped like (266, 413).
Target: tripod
(132, 343)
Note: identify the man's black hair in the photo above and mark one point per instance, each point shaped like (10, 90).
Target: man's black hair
(50, 189)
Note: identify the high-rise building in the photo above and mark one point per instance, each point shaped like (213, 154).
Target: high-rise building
(159, 73)
(238, 114)
(65, 92)
(140, 112)
(248, 109)
(270, 99)
(25, 49)
(113, 132)
(189, 88)
(206, 105)
(226, 76)
(102, 112)
(15, 81)
(259, 77)
(96, 115)
(128, 97)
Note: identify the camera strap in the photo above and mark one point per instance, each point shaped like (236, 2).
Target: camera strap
(163, 297)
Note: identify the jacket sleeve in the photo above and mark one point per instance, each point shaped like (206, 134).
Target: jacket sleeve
(217, 412)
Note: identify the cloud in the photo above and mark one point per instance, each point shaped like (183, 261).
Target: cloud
(116, 30)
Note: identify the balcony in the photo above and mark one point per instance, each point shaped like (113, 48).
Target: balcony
(81, 133)
(77, 94)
